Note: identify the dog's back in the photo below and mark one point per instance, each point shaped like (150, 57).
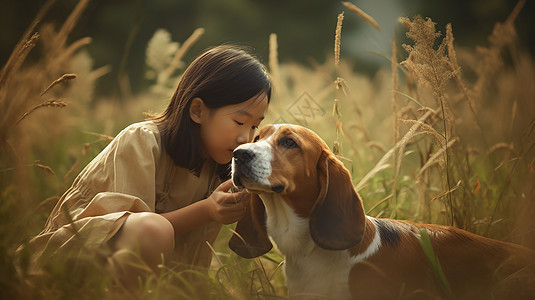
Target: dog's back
(475, 267)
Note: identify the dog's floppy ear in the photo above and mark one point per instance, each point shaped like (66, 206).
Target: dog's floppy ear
(337, 219)
(254, 240)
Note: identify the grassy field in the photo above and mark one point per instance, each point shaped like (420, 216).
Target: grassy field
(446, 136)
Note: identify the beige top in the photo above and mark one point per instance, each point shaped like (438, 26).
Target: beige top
(132, 174)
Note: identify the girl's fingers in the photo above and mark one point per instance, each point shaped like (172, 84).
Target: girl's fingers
(225, 186)
(237, 207)
(240, 207)
(234, 213)
(232, 199)
(242, 196)
(232, 205)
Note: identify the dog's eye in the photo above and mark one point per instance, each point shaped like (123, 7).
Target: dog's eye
(288, 143)
(256, 138)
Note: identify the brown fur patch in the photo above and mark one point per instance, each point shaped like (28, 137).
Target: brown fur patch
(253, 240)
(475, 267)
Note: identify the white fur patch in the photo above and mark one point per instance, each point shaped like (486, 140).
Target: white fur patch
(260, 165)
(311, 272)
(288, 230)
(372, 248)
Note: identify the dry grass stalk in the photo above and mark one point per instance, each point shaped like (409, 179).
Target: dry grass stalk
(424, 206)
(97, 73)
(339, 129)
(456, 69)
(339, 85)
(446, 193)
(175, 63)
(435, 158)
(337, 38)
(46, 169)
(351, 139)
(102, 137)
(432, 68)
(516, 10)
(13, 66)
(15, 57)
(274, 61)
(85, 150)
(364, 16)
(395, 125)
(376, 145)
(36, 164)
(502, 36)
(69, 24)
(395, 87)
(70, 50)
(501, 146)
(63, 78)
(72, 170)
(47, 201)
(49, 103)
(382, 164)
(439, 138)
(451, 49)
(19, 96)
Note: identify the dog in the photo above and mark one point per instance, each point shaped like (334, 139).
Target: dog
(303, 198)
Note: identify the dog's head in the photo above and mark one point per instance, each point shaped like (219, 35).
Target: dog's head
(296, 164)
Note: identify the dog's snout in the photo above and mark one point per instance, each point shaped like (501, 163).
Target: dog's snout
(243, 155)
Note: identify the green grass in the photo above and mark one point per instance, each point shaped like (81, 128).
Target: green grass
(425, 242)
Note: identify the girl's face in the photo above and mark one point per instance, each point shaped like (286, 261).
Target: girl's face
(225, 128)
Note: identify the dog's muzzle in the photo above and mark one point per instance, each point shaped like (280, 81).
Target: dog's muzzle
(241, 170)
(251, 168)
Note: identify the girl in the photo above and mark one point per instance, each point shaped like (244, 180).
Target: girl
(161, 186)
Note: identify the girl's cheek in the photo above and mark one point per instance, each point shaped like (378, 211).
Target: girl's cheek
(224, 134)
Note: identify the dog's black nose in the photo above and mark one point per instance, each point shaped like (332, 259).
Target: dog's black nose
(243, 155)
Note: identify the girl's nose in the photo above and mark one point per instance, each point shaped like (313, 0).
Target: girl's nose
(243, 137)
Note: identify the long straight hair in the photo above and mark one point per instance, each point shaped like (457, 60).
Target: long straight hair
(220, 76)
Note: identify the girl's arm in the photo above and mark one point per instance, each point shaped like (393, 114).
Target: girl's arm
(221, 207)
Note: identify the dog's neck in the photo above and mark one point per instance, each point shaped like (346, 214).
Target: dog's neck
(289, 231)
(309, 268)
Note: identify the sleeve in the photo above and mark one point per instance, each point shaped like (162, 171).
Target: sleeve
(127, 167)
(135, 159)
(121, 178)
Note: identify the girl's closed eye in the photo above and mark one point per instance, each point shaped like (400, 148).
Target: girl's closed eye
(254, 127)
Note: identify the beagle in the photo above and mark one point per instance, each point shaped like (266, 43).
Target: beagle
(303, 198)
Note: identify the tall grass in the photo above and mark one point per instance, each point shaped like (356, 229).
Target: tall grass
(446, 136)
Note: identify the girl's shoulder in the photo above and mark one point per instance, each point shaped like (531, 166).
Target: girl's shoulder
(141, 130)
(142, 136)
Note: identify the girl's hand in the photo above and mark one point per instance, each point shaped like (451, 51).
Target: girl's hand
(224, 207)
